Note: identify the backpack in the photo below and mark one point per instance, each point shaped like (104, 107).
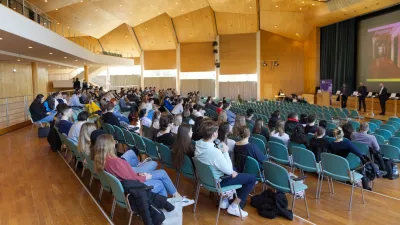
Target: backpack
(389, 163)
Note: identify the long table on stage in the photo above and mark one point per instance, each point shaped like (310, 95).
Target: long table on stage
(352, 103)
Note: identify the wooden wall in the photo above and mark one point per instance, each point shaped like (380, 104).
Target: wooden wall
(197, 57)
(238, 54)
(289, 75)
(206, 86)
(312, 61)
(160, 60)
(247, 90)
(160, 82)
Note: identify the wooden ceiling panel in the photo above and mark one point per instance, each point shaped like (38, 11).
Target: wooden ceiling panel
(51, 5)
(234, 6)
(236, 23)
(156, 34)
(197, 26)
(121, 40)
(288, 5)
(278, 23)
(83, 17)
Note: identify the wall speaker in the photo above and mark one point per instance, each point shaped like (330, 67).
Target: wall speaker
(215, 43)
(215, 51)
(217, 65)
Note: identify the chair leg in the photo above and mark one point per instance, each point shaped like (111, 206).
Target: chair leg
(100, 193)
(66, 152)
(293, 200)
(362, 194)
(333, 190)
(197, 197)
(76, 163)
(320, 186)
(130, 218)
(83, 171)
(113, 208)
(305, 201)
(219, 209)
(91, 180)
(316, 194)
(329, 184)
(351, 196)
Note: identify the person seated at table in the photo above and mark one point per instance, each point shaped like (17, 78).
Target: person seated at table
(319, 144)
(244, 148)
(311, 127)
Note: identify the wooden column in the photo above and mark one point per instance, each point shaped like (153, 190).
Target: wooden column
(178, 69)
(142, 70)
(217, 70)
(258, 58)
(35, 81)
(86, 73)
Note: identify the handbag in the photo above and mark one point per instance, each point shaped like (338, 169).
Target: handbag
(43, 132)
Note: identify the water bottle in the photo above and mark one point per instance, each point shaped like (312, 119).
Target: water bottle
(395, 171)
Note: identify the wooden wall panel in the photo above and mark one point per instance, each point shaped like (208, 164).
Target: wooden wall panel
(289, 75)
(136, 61)
(15, 84)
(205, 86)
(43, 78)
(121, 40)
(156, 34)
(312, 61)
(236, 23)
(197, 57)
(237, 54)
(160, 82)
(160, 60)
(196, 26)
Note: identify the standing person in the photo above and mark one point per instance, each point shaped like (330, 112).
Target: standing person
(362, 94)
(383, 97)
(84, 85)
(77, 84)
(344, 92)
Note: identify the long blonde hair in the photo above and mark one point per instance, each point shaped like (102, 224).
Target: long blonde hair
(105, 145)
(222, 117)
(84, 137)
(240, 121)
(280, 127)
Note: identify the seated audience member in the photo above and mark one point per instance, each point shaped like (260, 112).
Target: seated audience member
(249, 118)
(109, 117)
(167, 104)
(298, 136)
(275, 116)
(177, 122)
(59, 98)
(328, 132)
(219, 107)
(221, 165)
(115, 111)
(76, 127)
(197, 111)
(223, 132)
(93, 108)
(243, 149)
(319, 144)
(199, 102)
(230, 114)
(144, 120)
(347, 130)
(186, 117)
(178, 109)
(342, 147)
(49, 104)
(164, 136)
(84, 138)
(105, 159)
(311, 126)
(209, 104)
(196, 129)
(38, 111)
(279, 132)
(303, 120)
(156, 120)
(291, 122)
(123, 104)
(74, 100)
(370, 140)
(260, 129)
(182, 145)
(222, 117)
(64, 125)
(239, 122)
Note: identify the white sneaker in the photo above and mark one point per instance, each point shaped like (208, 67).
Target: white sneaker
(185, 201)
(235, 211)
(224, 203)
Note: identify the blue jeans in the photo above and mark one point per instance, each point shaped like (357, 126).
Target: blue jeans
(47, 119)
(150, 114)
(161, 182)
(133, 160)
(124, 119)
(248, 181)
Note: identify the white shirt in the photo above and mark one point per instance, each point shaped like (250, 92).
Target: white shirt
(198, 113)
(178, 109)
(145, 121)
(380, 92)
(174, 129)
(285, 137)
(75, 130)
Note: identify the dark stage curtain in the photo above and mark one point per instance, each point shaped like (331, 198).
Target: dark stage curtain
(338, 49)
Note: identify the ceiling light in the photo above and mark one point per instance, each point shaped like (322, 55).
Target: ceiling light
(96, 10)
(146, 28)
(120, 5)
(297, 34)
(58, 23)
(300, 8)
(1, 39)
(90, 24)
(81, 0)
(108, 17)
(190, 35)
(276, 6)
(18, 60)
(140, 19)
(302, 2)
(176, 3)
(250, 7)
(15, 8)
(30, 47)
(65, 57)
(56, 9)
(151, 6)
(131, 13)
(182, 10)
(68, 27)
(313, 4)
(186, 18)
(48, 65)
(51, 53)
(76, 60)
(45, 0)
(275, 26)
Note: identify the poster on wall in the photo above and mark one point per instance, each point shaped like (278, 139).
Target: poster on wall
(326, 85)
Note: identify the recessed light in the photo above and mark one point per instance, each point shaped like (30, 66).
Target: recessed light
(81, 0)
(15, 8)
(182, 10)
(48, 65)
(96, 10)
(140, 19)
(302, 2)
(300, 8)
(297, 34)
(58, 23)
(186, 18)
(1, 39)
(76, 60)
(108, 17)
(56, 9)
(190, 35)
(275, 26)
(120, 5)
(250, 7)
(68, 27)
(151, 6)
(90, 24)
(65, 57)
(276, 6)
(146, 28)
(176, 3)
(18, 60)
(30, 47)
(131, 13)
(313, 4)
(51, 53)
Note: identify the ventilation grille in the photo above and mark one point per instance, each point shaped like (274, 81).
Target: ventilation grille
(335, 5)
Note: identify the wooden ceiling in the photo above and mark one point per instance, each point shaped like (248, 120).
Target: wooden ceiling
(121, 40)
(161, 24)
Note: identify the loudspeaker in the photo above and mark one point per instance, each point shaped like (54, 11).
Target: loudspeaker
(215, 43)
(215, 51)
(217, 65)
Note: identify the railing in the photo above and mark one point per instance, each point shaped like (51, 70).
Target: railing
(32, 12)
(14, 110)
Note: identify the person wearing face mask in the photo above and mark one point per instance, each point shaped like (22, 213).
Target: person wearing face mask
(64, 125)
(164, 136)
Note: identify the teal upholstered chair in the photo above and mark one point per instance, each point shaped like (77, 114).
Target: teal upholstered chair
(364, 149)
(259, 143)
(372, 127)
(110, 129)
(292, 144)
(139, 143)
(384, 133)
(89, 165)
(355, 125)
(388, 127)
(151, 149)
(186, 170)
(278, 178)
(277, 140)
(391, 152)
(119, 135)
(261, 137)
(165, 156)
(377, 122)
(336, 167)
(251, 166)
(279, 153)
(130, 141)
(207, 180)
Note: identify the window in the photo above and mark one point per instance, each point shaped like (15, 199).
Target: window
(237, 78)
(198, 75)
(122, 70)
(160, 73)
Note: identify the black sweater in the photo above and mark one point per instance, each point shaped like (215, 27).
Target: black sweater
(37, 110)
(111, 119)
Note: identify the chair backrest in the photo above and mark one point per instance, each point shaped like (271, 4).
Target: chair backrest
(395, 141)
(390, 152)
(104, 182)
(72, 146)
(89, 162)
(259, 143)
(277, 177)
(355, 125)
(292, 144)
(388, 127)
(346, 111)
(377, 122)
(151, 148)
(335, 166)
(354, 114)
(110, 129)
(278, 152)
(187, 168)
(395, 124)
(147, 132)
(380, 139)
(139, 143)
(261, 137)
(330, 139)
(330, 126)
(205, 175)
(372, 127)
(277, 140)
(309, 136)
(116, 188)
(251, 166)
(304, 159)
(119, 134)
(130, 141)
(395, 119)
(165, 155)
(384, 133)
(364, 149)
(353, 160)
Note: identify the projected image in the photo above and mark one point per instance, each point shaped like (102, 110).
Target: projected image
(385, 63)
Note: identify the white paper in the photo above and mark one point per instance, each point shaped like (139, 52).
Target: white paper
(369, 94)
(355, 93)
(338, 92)
(393, 95)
